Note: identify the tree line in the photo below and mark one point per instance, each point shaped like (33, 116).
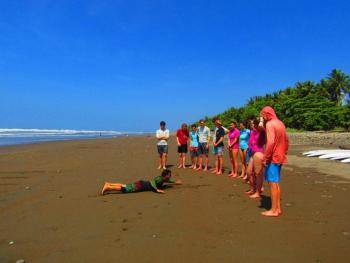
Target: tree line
(305, 106)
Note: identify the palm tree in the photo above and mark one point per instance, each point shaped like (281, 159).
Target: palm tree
(304, 88)
(338, 84)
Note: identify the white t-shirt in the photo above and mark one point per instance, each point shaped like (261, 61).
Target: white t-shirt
(162, 133)
(204, 134)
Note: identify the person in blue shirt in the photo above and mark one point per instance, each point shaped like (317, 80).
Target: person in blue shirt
(243, 147)
(194, 145)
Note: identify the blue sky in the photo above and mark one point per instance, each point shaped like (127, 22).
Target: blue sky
(126, 65)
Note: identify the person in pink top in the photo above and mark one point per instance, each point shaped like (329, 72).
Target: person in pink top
(257, 141)
(233, 148)
(275, 156)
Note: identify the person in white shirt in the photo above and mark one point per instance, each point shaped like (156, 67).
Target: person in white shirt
(162, 145)
(204, 138)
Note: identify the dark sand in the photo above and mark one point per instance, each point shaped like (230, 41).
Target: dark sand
(50, 209)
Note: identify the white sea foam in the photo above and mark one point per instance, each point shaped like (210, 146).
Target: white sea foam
(25, 136)
(46, 132)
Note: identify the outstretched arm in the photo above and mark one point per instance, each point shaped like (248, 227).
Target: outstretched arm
(178, 182)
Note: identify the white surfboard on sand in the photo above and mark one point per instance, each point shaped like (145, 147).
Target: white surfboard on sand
(340, 158)
(345, 154)
(322, 152)
(331, 154)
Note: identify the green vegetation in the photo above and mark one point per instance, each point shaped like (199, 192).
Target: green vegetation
(306, 106)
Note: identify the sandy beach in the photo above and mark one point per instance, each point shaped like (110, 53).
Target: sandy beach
(51, 211)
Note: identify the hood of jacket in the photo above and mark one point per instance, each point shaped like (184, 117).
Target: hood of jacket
(268, 113)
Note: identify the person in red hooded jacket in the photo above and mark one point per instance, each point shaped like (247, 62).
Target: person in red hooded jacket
(274, 157)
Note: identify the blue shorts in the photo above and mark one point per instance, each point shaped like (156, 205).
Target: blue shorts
(203, 149)
(273, 172)
(162, 149)
(219, 150)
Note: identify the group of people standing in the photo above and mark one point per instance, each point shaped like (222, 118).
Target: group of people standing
(261, 144)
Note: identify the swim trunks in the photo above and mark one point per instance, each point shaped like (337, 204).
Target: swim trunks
(162, 149)
(138, 186)
(219, 150)
(273, 172)
(202, 150)
(182, 148)
(194, 151)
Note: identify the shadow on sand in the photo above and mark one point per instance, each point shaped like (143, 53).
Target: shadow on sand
(265, 202)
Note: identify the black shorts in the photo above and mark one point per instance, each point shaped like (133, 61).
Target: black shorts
(182, 148)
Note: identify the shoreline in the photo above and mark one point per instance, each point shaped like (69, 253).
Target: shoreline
(296, 138)
(82, 138)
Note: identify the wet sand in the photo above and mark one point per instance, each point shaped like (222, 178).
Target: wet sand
(50, 208)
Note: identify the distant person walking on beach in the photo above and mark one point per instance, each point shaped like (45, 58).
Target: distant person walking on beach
(204, 139)
(162, 145)
(182, 136)
(257, 141)
(155, 185)
(275, 156)
(194, 146)
(218, 146)
(243, 147)
(233, 148)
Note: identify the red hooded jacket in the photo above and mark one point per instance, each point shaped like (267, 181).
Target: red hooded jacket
(277, 139)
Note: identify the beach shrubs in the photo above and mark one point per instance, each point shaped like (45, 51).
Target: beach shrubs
(306, 106)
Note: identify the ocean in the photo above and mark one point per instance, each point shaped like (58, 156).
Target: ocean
(29, 136)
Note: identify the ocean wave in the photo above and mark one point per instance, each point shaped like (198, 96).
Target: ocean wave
(47, 132)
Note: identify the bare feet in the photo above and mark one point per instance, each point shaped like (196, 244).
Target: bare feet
(180, 166)
(219, 173)
(233, 176)
(159, 167)
(104, 189)
(213, 172)
(164, 168)
(271, 213)
(256, 195)
(205, 169)
(249, 192)
(199, 168)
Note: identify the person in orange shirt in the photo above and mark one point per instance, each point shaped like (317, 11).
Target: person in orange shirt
(274, 157)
